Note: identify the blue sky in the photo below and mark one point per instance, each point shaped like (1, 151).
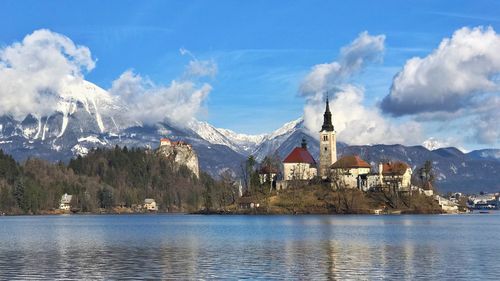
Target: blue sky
(263, 49)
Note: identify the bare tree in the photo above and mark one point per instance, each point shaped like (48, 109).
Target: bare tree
(229, 187)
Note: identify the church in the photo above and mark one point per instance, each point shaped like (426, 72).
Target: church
(350, 171)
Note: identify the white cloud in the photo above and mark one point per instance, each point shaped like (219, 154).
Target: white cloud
(128, 86)
(353, 57)
(148, 103)
(33, 71)
(321, 78)
(35, 75)
(487, 127)
(354, 122)
(185, 51)
(364, 49)
(179, 102)
(198, 68)
(203, 68)
(459, 79)
(463, 68)
(357, 124)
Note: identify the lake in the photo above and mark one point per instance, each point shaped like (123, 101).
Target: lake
(180, 247)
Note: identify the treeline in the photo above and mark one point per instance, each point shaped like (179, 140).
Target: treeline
(106, 179)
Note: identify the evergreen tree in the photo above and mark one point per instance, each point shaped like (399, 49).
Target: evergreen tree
(19, 194)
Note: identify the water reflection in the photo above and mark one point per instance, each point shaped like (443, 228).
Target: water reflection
(238, 247)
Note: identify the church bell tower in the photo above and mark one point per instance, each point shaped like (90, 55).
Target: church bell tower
(327, 144)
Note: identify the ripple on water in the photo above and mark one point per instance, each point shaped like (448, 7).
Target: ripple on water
(257, 247)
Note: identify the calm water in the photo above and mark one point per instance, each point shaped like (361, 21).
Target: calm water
(250, 247)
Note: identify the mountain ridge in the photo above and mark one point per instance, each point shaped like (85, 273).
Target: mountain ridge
(82, 123)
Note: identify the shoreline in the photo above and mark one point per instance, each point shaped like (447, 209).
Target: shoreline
(90, 214)
(229, 213)
(233, 214)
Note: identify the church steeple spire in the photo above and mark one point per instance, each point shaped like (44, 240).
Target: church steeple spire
(327, 118)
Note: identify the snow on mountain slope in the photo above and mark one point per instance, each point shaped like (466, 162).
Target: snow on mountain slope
(82, 108)
(242, 138)
(85, 109)
(432, 144)
(257, 145)
(89, 117)
(91, 139)
(288, 128)
(241, 143)
(273, 141)
(212, 134)
(455, 170)
(95, 100)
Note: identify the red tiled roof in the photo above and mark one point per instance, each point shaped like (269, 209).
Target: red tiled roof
(398, 168)
(299, 155)
(350, 161)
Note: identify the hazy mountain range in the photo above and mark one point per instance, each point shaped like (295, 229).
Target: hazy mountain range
(88, 117)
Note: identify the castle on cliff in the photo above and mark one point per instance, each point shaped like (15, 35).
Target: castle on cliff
(180, 153)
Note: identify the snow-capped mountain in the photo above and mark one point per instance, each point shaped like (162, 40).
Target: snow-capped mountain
(97, 102)
(433, 144)
(82, 108)
(241, 143)
(259, 146)
(88, 117)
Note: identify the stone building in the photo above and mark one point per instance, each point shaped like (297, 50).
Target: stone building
(351, 171)
(395, 174)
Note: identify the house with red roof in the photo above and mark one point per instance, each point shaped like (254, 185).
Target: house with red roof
(395, 174)
(299, 164)
(351, 171)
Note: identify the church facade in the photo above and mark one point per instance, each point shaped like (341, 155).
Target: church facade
(299, 164)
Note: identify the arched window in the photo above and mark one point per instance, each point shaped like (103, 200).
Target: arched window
(325, 138)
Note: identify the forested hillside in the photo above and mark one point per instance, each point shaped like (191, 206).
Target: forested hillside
(105, 179)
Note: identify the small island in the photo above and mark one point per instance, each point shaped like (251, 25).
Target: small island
(300, 185)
